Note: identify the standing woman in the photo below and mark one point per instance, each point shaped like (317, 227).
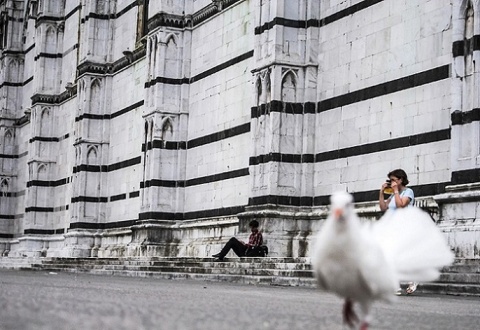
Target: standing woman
(400, 196)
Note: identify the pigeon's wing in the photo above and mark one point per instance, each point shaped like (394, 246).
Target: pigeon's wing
(376, 274)
(413, 243)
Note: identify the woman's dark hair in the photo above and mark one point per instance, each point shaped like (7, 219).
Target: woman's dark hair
(399, 173)
(254, 224)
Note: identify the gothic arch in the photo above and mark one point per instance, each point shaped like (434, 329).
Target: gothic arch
(464, 6)
(289, 86)
(4, 190)
(81, 92)
(268, 87)
(95, 83)
(44, 123)
(4, 185)
(92, 155)
(42, 171)
(13, 70)
(152, 47)
(171, 37)
(258, 88)
(95, 96)
(468, 33)
(146, 130)
(150, 130)
(78, 154)
(167, 127)
(81, 85)
(8, 137)
(171, 56)
(50, 38)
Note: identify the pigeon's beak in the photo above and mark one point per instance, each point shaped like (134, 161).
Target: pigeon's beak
(338, 213)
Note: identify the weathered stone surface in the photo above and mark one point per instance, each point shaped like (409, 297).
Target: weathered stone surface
(145, 128)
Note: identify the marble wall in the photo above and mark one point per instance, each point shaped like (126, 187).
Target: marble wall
(163, 127)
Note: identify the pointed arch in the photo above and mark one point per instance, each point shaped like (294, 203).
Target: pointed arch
(152, 53)
(95, 83)
(44, 112)
(92, 155)
(258, 89)
(8, 137)
(146, 129)
(95, 96)
(50, 38)
(172, 59)
(13, 67)
(44, 123)
(268, 87)
(167, 127)
(4, 185)
(464, 7)
(42, 171)
(81, 85)
(468, 33)
(150, 130)
(78, 154)
(171, 37)
(289, 86)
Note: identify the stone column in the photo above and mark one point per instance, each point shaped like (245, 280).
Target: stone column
(460, 204)
(283, 128)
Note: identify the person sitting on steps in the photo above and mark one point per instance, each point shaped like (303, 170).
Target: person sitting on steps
(239, 247)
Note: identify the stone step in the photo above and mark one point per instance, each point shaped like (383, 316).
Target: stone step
(263, 264)
(462, 269)
(172, 259)
(220, 277)
(216, 270)
(473, 278)
(268, 271)
(206, 268)
(16, 263)
(458, 289)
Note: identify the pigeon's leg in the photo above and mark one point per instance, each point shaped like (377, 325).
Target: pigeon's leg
(349, 316)
(365, 309)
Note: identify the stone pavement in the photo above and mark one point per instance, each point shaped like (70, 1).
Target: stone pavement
(48, 300)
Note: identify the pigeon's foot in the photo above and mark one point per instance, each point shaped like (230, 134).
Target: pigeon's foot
(364, 326)
(349, 316)
(412, 287)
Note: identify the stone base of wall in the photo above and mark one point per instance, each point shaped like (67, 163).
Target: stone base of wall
(288, 232)
(460, 218)
(35, 246)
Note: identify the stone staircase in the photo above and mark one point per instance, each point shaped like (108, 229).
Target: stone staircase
(461, 278)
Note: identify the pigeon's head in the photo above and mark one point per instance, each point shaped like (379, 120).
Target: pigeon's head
(341, 205)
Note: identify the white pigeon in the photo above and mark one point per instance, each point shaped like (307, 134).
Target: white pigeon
(363, 262)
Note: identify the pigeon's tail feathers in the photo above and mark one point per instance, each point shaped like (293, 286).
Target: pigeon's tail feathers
(413, 243)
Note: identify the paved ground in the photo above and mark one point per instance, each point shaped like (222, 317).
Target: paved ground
(42, 300)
